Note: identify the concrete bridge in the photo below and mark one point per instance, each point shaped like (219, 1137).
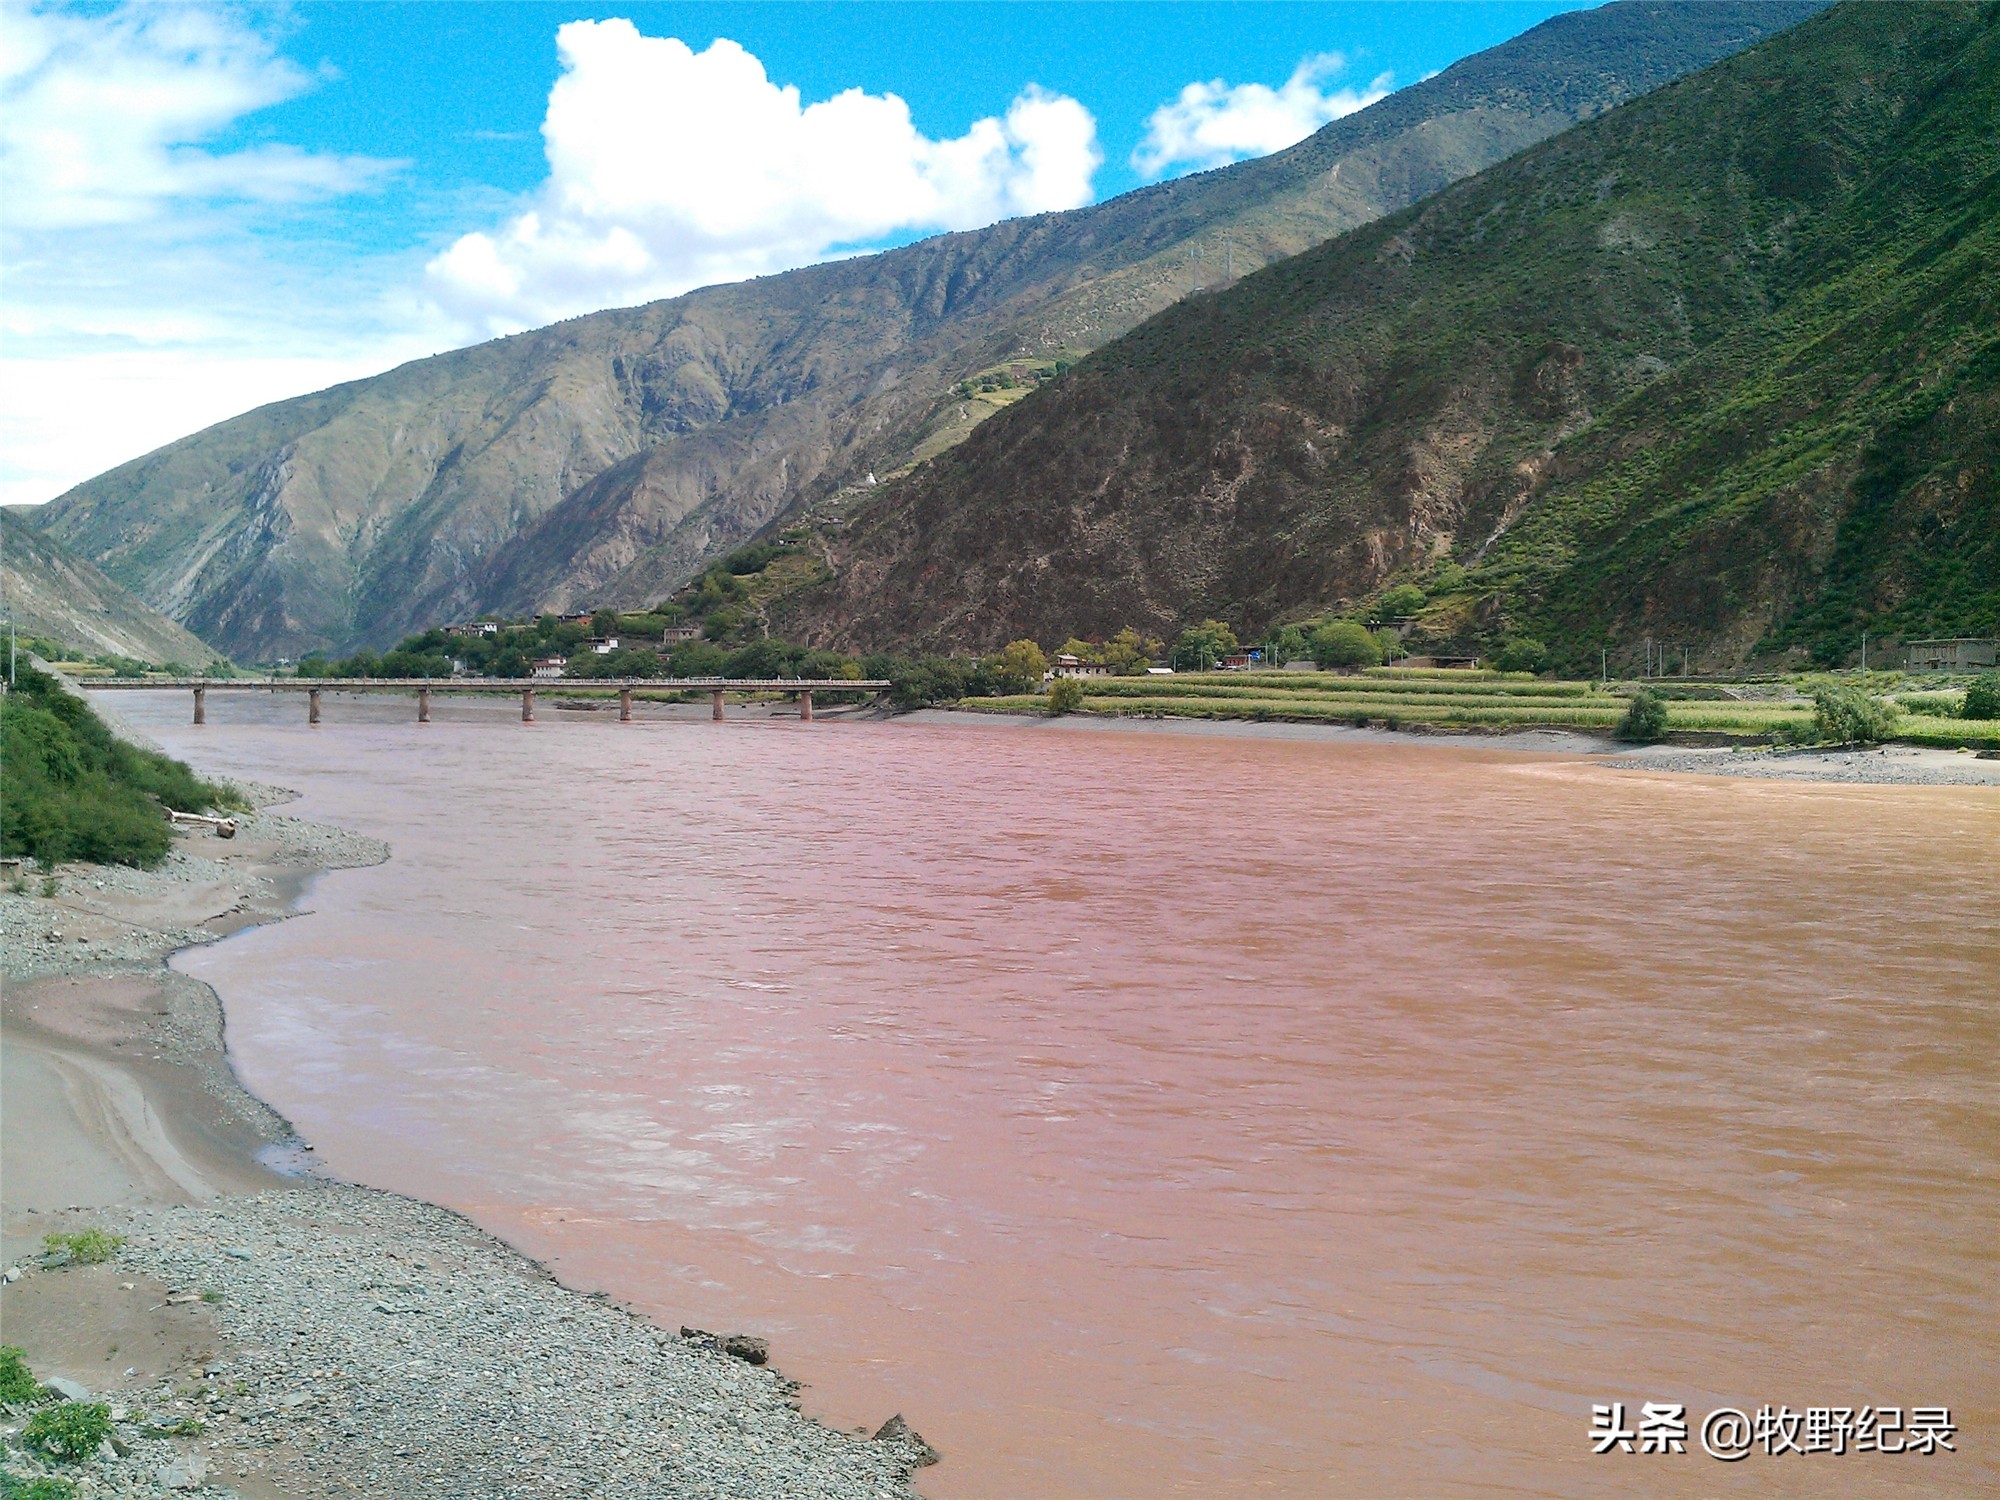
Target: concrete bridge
(799, 688)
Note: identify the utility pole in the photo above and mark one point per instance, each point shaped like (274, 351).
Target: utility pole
(1229, 250)
(1604, 665)
(1864, 658)
(1194, 272)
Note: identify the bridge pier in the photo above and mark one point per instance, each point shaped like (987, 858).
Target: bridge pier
(806, 705)
(624, 705)
(423, 705)
(716, 699)
(200, 708)
(527, 705)
(312, 705)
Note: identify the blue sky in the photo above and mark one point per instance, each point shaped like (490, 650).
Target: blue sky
(210, 206)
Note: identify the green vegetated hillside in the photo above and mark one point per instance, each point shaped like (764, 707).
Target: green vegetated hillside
(603, 460)
(75, 791)
(1718, 367)
(46, 591)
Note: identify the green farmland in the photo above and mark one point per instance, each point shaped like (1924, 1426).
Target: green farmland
(1402, 698)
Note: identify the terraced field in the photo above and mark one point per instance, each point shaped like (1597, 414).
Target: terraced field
(1402, 697)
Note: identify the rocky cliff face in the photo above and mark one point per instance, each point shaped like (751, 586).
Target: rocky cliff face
(48, 592)
(602, 459)
(1720, 365)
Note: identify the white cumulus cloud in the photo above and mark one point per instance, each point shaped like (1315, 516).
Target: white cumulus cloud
(102, 116)
(1214, 123)
(151, 283)
(671, 169)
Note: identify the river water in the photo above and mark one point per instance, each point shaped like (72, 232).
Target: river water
(1148, 1113)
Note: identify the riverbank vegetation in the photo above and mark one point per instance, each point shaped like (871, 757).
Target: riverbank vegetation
(75, 791)
(724, 623)
(1805, 711)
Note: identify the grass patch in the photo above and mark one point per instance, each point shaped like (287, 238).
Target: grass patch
(1398, 697)
(83, 1247)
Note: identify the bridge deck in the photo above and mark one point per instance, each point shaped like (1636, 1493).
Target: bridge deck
(504, 684)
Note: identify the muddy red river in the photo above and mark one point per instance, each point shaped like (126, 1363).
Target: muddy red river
(1149, 1113)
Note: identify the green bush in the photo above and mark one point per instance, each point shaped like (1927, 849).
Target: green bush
(1982, 699)
(1848, 716)
(45, 1488)
(84, 1247)
(1344, 643)
(1645, 718)
(69, 1431)
(74, 791)
(1522, 654)
(17, 1381)
(1065, 696)
(1403, 599)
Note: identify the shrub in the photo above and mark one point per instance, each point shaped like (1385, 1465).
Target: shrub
(84, 1247)
(69, 1431)
(1982, 699)
(1344, 643)
(1065, 696)
(17, 1381)
(75, 791)
(1403, 599)
(1522, 654)
(1848, 716)
(48, 1487)
(1645, 718)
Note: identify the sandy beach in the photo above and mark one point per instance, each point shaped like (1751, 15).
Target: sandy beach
(265, 1332)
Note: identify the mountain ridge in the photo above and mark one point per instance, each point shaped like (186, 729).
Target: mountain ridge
(604, 458)
(1479, 380)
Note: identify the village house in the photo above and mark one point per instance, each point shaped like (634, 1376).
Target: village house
(1963, 653)
(548, 667)
(674, 635)
(604, 645)
(474, 628)
(1070, 665)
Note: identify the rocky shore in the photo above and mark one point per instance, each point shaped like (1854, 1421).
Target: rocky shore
(1881, 765)
(262, 1332)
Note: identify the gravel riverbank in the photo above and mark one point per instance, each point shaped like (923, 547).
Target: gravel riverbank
(262, 1332)
(1884, 765)
(339, 1341)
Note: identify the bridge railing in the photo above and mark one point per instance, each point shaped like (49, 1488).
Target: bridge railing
(505, 684)
(799, 688)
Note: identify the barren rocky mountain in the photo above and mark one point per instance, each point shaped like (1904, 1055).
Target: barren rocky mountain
(49, 592)
(1721, 366)
(603, 459)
